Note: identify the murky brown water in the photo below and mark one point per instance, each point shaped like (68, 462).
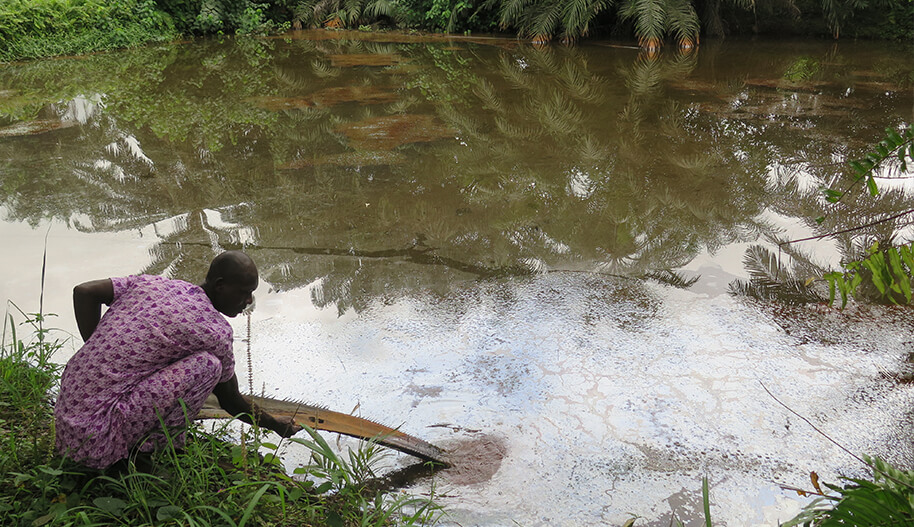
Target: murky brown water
(454, 233)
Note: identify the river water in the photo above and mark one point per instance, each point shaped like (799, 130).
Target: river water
(521, 254)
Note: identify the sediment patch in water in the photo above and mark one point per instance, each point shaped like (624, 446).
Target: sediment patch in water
(474, 459)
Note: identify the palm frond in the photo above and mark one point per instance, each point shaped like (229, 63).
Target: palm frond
(670, 277)
(581, 84)
(803, 266)
(762, 264)
(486, 93)
(545, 21)
(590, 149)
(324, 69)
(650, 21)
(512, 12)
(577, 15)
(557, 113)
(683, 23)
(769, 282)
(512, 72)
(515, 131)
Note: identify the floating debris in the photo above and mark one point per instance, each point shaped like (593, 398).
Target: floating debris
(403, 69)
(365, 59)
(277, 104)
(391, 131)
(349, 159)
(327, 97)
(395, 37)
(359, 94)
(808, 86)
(34, 127)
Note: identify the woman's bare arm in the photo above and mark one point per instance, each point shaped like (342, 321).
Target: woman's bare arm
(88, 298)
(231, 400)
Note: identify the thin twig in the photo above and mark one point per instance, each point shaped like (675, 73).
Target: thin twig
(877, 222)
(814, 427)
(839, 445)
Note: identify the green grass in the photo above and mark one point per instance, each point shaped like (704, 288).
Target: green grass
(213, 481)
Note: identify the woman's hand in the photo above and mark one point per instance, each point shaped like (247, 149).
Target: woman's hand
(284, 426)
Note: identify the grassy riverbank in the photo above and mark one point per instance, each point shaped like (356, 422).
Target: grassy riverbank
(214, 481)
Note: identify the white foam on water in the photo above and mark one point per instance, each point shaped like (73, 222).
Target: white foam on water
(613, 397)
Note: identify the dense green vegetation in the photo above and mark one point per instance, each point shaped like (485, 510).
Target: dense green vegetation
(39, 28)
(212, 482)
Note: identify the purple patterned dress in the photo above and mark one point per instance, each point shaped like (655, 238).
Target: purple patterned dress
(161, 341)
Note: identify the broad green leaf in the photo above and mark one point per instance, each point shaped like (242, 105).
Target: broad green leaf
(324, 487)
(871, 186)
(902, 280)
(334, 519)
(878, 269)
(907, 256)
(859, 169)
(169, 512)
(110, 505)
(831, 195)
(50, 471)
(42, 520)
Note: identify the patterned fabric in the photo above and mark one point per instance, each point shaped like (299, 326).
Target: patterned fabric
(161, 341)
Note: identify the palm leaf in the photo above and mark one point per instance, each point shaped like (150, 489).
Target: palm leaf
(650, 21)
(577, 15)
(682, 21)
(769, 282)
(545, 21)
(670, 277)
(512, 11)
